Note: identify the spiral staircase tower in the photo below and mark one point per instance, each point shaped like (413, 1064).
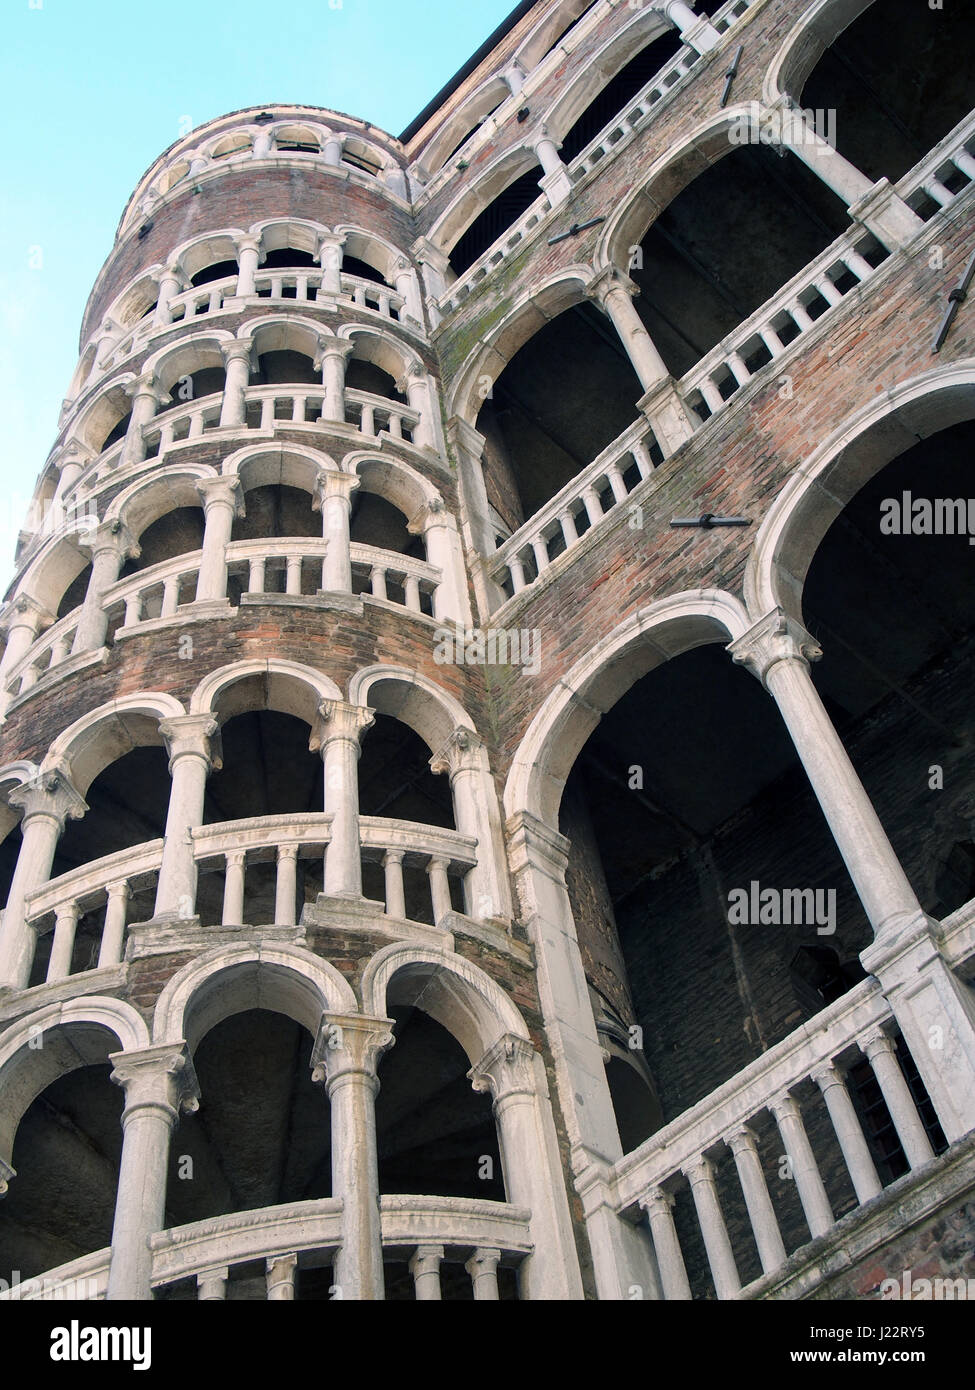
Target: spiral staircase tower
(313, 984)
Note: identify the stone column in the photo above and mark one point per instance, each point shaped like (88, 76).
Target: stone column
(418, 395)
(335, 491)
(47, 802)
(110, 544)
(464, 758)
(778, 651)
(237, 360)
(395, 180)
(23, 622)
(281, 1272)
(514, 76)
(113, 930)
(191, 756)
(248, 259)
(879, 1050)
(483, 1269)
(338, 735)
(696, 30)
(330, 251)
(659, 1207)
(512, 1073)
(805, 1170)
(875, 205)
(73, 459)
(724, 1271)
(662, 405)
(171, 283)
(146, 399)
(441, 539)
(346, 1057)
(159, 1082)
(434, 264)
(555, 182)
(335, 353)
(405, 281)
(425, 1268)
(761, 1213)
(849, 1135)
(466, 447)
(332, 150)
(222, 502)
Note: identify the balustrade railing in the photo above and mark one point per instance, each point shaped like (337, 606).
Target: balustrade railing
(397, 578)
(812, 1062)
(43, 656)
(419, 864)
(946, 172)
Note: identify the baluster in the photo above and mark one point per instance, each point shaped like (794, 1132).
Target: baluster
(395, 895)
(292, 584)
(879, 1049)
(828, 290)
(439, 887)
(359, 295)
(301, 286)
(133, 608)
(593, 506)
(286, 886)
(166, 436)
(267, 413)
(711, 394)
(771, 340)
(761, 1213)
(569, 532)
(277, 284)
(736, 364)
(170, 603)
(658, 1206)
(852, 1144)
(65, 927)
(367, 422)
(211, 1285)
(384, 304)
(483, 1269)
(812, 1193)
(378, 580)
(412, 586)
(281, 1278)
(255, 574)
(61, 648)
(700, 1175)
(517, 571)
(965, 162)
(641, 458)
(298, 410)
(196, 424)
(860, 267)
(425, 1268)
(935, 189)
(215, 301)
(29, 678)
(616, 482)
(800, 313)
(395, 425)
(233, 888)
(113, 932)
(540, 550)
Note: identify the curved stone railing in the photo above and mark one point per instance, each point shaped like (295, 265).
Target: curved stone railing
(687, 1150)
(43, 657)
(946, 172)
(407, 851)
(83, 1280)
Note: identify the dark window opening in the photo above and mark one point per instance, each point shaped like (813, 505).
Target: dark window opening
(614, 98)
(495, 220)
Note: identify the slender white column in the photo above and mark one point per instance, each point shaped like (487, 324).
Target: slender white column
(147, 396)
(464, 758)
(286, 886)
(330, 251)
(211, 1285)
(514, 76)
(23, 621)
(171, 283)
(853, 1145)
(338, 736)
(222, 502)
(805, 1171)
(62, 949)
(434, 264)
(419, 399)
(405, 281)
(47, 802)
(188, 738)
(335, 491)
(233, 888)
(109, 545)
(346, 1057)
(425, 1268)
(237, 359)
(442, 542)
(113, 931)
(724, 1272)
(696, 30)
(778, 650)
(158, 1083)
(281, 1272)
(761, 1213)
(659, 1207)
(395, 897)
(335, 354)
(332, 150)
(483, 1269)
(513, 1074)
(437, 867)
(879, 1049)
(555, 182)
(614, 291)
(248, 259)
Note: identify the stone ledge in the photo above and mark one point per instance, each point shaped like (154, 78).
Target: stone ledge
(167, 935)
(17, 1003)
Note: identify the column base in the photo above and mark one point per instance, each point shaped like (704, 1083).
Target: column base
(556, 186)
(668, 416)
(326, 908)
(341, 601)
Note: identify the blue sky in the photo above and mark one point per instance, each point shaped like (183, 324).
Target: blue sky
(94, 90)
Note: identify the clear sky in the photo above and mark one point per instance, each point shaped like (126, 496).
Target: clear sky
(95, 90)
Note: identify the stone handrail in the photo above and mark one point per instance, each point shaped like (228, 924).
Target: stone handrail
(950, 158)
(82, 1280)
(242, 1236)
(43, 655)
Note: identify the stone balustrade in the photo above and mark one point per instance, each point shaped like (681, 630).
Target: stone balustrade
(946, 172)
(579, 506)
(43, 656)
(688, 1150)
(230, 846)
(395, 578)
(82, 1280)
(407, 852)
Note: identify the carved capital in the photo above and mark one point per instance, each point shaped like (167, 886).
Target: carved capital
(222, 491)
(109, 536)
(24, 611)
(607, 280)
(460, 753)
(339, 720)
(51, 794)
(333, 483)
(506, 1069)
(778, 637)
(157, 1077)
(240, 350)
(192, 735)
(350, 1045)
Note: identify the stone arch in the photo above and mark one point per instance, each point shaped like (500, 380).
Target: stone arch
(382, 349)
(642, 28)
(135, 300)
(676, 168)
(209, 248)
(110, 404)
(295, 132)
(81, 1032)
(52, 571)
(288, 687)
(228, 143)
(806, 42)
(371, 248)
(298, 233)
(392, 479)
(107, 733)
(412, 699)
(150, 498)
(12, 775)
(195, 353)
(230, 980)
(289, 465)
(283, 332)
(474, 197)
(461, 125)
(472, 1007)
(530, 313)
(821, 486)
(541, 39)
(572, 710)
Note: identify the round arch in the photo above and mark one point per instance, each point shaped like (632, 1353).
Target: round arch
(472, 199)
(52, 571)
(110, 405)
(231, 980)
(472, 1007)
(288, 687)
(392, 479)
(382, 349)
(192, 354)
(279, 332)
(542, 38)
(457, 128)
(295, 233)
(13, 775)
(821, 487)
(372, 249)
(107, 733)
(209, 248)
(146, 500)
(807, 41)
(572, 710)
(288, 465)
(412, 699)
